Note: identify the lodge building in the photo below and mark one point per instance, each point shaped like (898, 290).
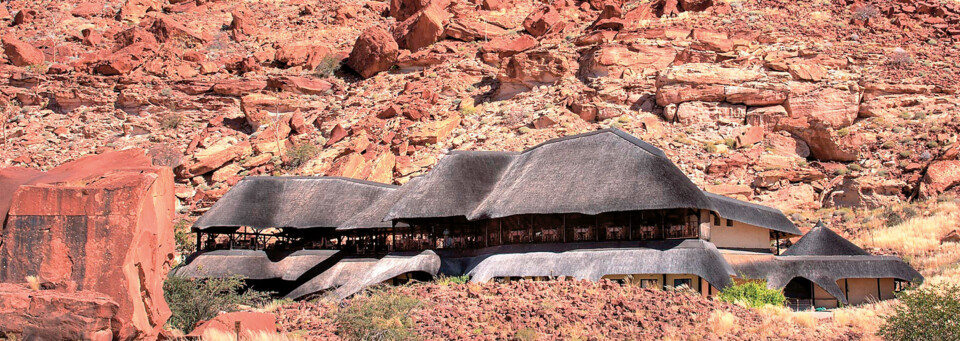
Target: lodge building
(597, 205)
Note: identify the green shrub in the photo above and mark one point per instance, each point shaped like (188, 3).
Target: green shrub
(195, 300)
(301, 154)
(710, 147)
(925, 314)
(170, 120)
(186, 242)
(328, 66)
(446, 280)
(378, 315)
(752, 294)
(526, 334)
(853, 167)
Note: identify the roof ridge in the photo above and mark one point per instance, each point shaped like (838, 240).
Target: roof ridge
(318, 178)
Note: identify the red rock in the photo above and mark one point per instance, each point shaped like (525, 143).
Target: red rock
(543, 122)
(403, 9)
(642, 12)
(831, 107)
(238, 87)
(941, 175)
(493, 5)
(56, 315)
(87, 10)
(220, 153)
(712, 40)
(251, 324)
(422, 29)
(91, 37)
(695, 5)
(742, 191)
(374, 51)
(21, 53)
(951, 237)
(300, 85)
(352, 165)
(532, 68)
(24, 16)
(390, 111)
(382, 170)
(706, 112)
(134, 10)
(541, 21)
(303, 55)
(436, 131)
(336, 134)
(242, 25)
(136, 35)
(507, 46)
(695, 56)
(618, 61)
(106, 225)
(766, 116)
(471, 30)
(749, 136)
(808, 71)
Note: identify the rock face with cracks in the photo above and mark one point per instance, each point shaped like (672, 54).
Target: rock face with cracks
(101, 224)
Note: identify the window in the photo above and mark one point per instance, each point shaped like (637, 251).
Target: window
(729, 222)
(682, 281)
(649, 283)
(716, 220)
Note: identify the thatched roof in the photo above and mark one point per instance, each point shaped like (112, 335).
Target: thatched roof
(825, 271)
(821, 241)
(293, 202)
(602, 171)
(594, 260)
(334, 277)
(256, 264)
(372, 216)
(753, 214)
(388, 267)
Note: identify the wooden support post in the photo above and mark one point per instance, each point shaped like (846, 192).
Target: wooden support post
(879, 292)
(564, 232)
(199, 242)
(664, 282)
(500, 222)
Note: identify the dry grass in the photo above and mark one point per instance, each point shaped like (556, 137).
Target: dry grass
(33, 282)
(866, 318)
(722, 322)
(917, 235)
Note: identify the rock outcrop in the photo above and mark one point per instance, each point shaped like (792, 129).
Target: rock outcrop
(101, 223)
(28, 314)
(375, 51)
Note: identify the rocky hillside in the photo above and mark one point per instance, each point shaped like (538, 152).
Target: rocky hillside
(800, 105)
(555, 310)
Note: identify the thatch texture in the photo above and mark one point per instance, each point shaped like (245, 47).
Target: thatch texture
(821, 241)
(389, 267)
(372, 216)
(825, 271)
(594, 260)
(336, 276)
(454, 187)
(293, 202)
(602, 171)
(256, 264)
(753, 214)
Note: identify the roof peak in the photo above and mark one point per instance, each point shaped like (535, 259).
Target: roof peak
(822, 241)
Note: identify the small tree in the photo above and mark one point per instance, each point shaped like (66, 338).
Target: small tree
(195, 300)
(753, 294)
(930, 313)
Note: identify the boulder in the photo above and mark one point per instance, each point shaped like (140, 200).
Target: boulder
(134, 10)
(167, 28)
(374, 51)
(526, 70)
(403, 9)
(619, 61)
(541, 21)
(828, 106)
(27, 314)
(766, 116)
(435, 131)
(867, 192)
(422, 29)
(21, 53)
(951, 237)
(352, 165)
(87, 10)
(304, 55)
(710, 82)
(215, 156)
(300, 85)
(242, 25)
(941, 176)
(382, 170)
(507, 46)
(472, 29)
(101, 223)
(251, 325)
(707, 112)
(238, 87)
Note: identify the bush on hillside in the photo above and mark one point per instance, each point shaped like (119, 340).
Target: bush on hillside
(378, 315)
(195, 300)
(929, 313)
(753, 294)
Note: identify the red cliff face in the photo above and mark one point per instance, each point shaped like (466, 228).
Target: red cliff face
(102, 224)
